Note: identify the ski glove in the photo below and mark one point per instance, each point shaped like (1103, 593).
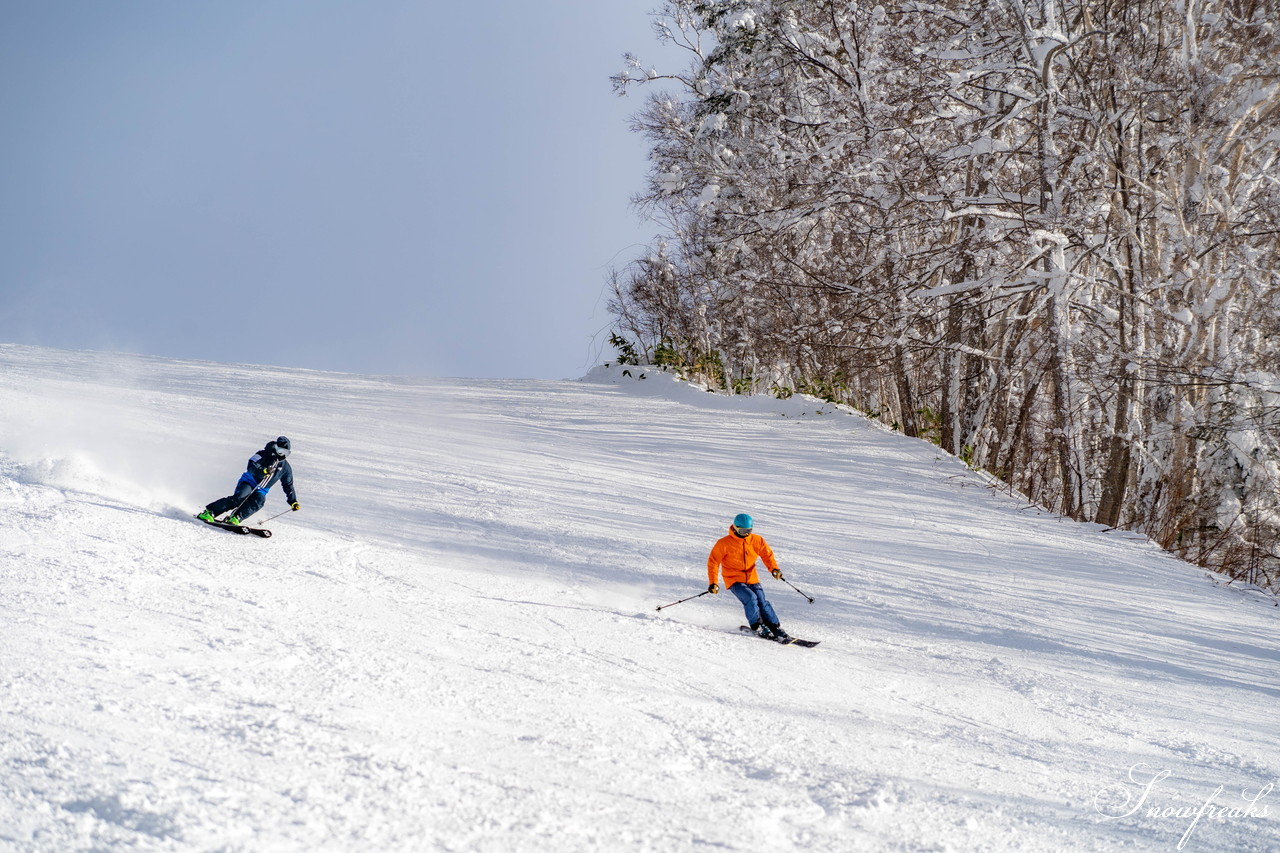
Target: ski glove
(777, 573)
(295, 506)
(714, 589)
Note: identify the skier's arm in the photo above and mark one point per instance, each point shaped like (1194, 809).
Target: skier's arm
(766, 554)
(256, 469)
(286, 480)
(713, 564)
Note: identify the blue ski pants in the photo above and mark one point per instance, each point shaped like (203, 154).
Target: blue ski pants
(247, 496)
(753, 601)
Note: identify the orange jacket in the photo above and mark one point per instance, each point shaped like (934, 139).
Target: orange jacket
(737, 557)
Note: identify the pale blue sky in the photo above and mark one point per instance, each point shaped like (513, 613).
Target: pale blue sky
(420, 188)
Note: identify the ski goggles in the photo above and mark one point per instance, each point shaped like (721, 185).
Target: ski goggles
(742, 531)
(282, 452)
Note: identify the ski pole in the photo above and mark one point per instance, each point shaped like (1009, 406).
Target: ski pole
(797, 589)
(683, 600)
(277, 515)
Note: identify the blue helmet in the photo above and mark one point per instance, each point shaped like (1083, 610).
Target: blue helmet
(743, 521)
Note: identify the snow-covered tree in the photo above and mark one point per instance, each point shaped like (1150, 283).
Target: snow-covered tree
(1042, 233)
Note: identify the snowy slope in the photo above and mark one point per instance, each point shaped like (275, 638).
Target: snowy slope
(454, 646)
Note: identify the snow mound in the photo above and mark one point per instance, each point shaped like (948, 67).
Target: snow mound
(651, 381)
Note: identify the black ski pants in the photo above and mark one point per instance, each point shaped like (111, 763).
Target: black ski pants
(247, 496)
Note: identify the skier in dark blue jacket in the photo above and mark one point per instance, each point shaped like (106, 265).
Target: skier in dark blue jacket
(266, 468)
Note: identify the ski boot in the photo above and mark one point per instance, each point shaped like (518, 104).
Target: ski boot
(206, 516)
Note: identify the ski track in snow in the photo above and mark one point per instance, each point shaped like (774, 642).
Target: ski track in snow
(454, 645)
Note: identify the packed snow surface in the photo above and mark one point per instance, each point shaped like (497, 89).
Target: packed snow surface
(454, 644)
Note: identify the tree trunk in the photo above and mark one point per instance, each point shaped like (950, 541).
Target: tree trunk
(906, 399)
(952, 375)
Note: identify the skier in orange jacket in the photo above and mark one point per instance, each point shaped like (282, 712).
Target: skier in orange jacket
(735, 556)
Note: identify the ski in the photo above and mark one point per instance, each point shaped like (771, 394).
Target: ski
(789, 641)
(261, 532)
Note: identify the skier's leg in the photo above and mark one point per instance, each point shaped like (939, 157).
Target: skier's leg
(770, 618)
(748, 598)
(766, 609)
(230, 502)
(253, 504)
